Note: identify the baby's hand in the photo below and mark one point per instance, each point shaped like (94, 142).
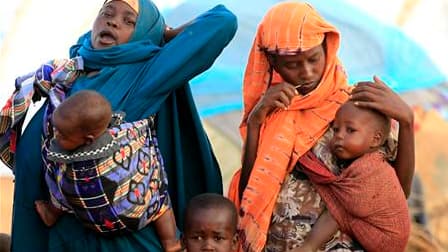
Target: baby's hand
(303, 248)
(175, 246)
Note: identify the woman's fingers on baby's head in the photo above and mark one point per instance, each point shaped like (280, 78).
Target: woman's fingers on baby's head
(362, 94)
(376, 83)
(363, 83)
(377, 79)
(369, 85)
(365, 89)
(366, 104)
(379, 82)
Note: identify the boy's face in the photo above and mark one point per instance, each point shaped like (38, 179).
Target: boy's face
(210, 230)
(114, 25)
(354, 133)
(306, 68)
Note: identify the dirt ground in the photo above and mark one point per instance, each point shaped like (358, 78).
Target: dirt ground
(6, 193)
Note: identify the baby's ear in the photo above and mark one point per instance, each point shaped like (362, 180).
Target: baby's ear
(235, 242)
(88, 139)
(377, 140)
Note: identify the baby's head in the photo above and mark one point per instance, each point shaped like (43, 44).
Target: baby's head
(210, 224)
(80, 119)
(358, 131)
(5, 242)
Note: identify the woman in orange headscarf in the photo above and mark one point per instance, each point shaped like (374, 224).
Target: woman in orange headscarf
(293, 85)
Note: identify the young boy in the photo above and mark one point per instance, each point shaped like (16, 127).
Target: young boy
(5, 242)
(366, 199)
(110, 177)
(210, 224)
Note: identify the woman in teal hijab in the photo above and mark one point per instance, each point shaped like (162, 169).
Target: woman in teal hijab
(127, 59)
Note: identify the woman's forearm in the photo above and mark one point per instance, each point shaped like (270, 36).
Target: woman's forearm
(190, 52)
(250, 154)
(275, 97)
(405, 162)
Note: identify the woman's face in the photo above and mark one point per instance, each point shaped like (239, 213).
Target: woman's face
(114, 25)
(305, 68)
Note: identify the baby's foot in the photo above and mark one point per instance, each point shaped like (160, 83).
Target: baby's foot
(48, 213)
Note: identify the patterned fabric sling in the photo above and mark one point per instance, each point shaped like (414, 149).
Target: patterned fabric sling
(12, 117)
(31, 88)
(365, 199)
(116, 184)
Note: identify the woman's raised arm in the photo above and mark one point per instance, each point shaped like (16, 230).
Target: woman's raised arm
(188, 54)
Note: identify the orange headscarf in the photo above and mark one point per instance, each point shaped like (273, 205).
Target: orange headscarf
(287, 28)
(132, 3)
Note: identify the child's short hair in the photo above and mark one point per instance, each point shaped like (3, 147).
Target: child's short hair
(5, 242)
(383, 122)
(211, 201)
(90, 108)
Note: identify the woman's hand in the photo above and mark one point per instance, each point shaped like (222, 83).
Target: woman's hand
(43, 81)
(170, 32)
(377, 95)
(276, 97)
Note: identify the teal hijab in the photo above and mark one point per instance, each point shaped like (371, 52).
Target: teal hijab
(142, 77)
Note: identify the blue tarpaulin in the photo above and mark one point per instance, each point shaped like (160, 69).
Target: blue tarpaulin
(368, 47)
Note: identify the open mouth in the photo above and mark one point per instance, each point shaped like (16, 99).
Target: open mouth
(107, 37)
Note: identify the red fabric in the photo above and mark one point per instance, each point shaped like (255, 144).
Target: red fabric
(366, 200)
